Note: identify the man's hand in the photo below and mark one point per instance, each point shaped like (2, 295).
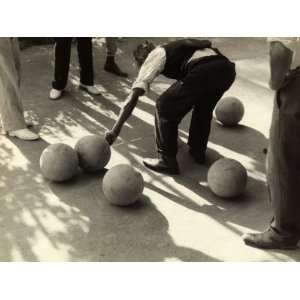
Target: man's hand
(124, 114)
(280, 63)
(110, 137)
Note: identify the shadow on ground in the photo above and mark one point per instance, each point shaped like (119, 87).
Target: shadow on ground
(41, 221)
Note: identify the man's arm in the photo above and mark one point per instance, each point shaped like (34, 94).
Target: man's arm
(280, 63)
(125, 113)
(151, 68)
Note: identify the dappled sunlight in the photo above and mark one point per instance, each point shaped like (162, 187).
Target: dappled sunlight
(34, 224)
(249, 163)
(100, 108)
(170, 186)
(11, 157)
(31, 117)
(143, 115)
(178, 218)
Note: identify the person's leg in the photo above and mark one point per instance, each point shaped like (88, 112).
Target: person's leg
(11, 108)
(110, 64)
(171, 107)
(206, 83)
(200, 126)
(283, 173)
(11, 111)
(85, 55)
(111, 46)
(62, 62)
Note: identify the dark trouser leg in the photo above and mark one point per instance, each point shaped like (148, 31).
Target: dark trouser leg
(284, 161)
(85, 54)
(62, 62)
(201, 123)
(201, 88)
(171, 107)
(166, 133)
(283, 174)
(110, 64)
(111, 46)
(167, 118)
(205, 84)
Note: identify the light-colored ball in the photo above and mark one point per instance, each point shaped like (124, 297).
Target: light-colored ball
(93, 152)
(227, 178)
(59, 162)
(122, 185)
(229, 111)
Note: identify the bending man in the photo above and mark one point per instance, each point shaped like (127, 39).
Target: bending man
(202, 75)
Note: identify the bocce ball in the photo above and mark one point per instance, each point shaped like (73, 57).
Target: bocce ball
(59, 162)
(227, 178)
(122, 185)
(93, 153)
(229, 111)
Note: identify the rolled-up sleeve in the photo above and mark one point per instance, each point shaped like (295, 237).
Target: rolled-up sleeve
(151, 68)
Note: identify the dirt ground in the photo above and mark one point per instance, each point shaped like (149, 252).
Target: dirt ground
(178, 218)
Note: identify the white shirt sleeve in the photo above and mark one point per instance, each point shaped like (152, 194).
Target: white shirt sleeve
(151, 68)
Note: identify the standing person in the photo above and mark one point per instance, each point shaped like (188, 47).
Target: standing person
(11, 108)
(202, 75)
(283, 161)
(110, 64)
(62, 64)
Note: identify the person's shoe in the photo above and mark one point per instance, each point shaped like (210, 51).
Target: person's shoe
(55, 94)
(111, 67)
(91, 89)
(162, 165)
(28, 124)
(270, 240)
(198, 158)
(24, 134)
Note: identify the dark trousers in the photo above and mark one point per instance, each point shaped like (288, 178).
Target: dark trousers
(111, 46)
(62, 61)
(283, 164)
(204, 84)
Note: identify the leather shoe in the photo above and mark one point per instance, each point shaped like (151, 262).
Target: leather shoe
(270, 239)
(113, 68)
(91, 89)
(55, 94)
(162, 165)
(24, 134)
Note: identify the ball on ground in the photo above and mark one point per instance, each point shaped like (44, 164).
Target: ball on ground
(227, 178)
(229, 111)
(93, 153)
(59, 162)
(122, 185)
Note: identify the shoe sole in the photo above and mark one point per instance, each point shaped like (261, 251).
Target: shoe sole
(57, 98)
(86, 90)
(29, 140)
(168, 172)
(271, 248)
(14, 136)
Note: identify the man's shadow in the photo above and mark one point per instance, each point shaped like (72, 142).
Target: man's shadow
(242, 140)
(135, 233)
